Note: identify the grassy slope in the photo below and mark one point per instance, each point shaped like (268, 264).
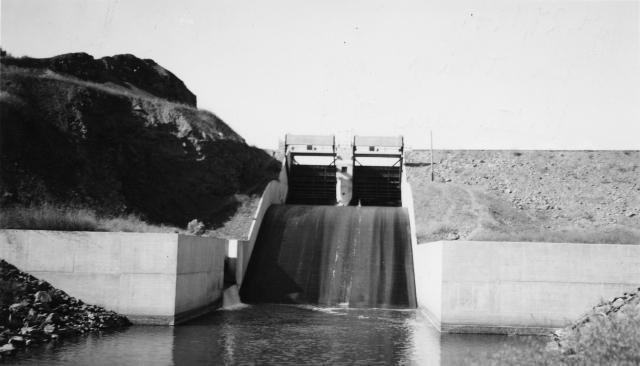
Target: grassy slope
(577, 196)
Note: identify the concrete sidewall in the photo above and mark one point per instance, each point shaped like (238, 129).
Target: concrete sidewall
(199, 275)
(150, 277)
(503, 287)
(274, 193)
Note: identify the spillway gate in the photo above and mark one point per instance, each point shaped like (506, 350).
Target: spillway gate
(311, 169)
(375, 171)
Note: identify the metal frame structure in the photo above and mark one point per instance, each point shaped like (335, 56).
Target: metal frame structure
(377, 185)
(374, 143)
(311, 183)
(311, 142)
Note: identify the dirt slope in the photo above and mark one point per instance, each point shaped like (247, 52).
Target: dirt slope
(590, 196)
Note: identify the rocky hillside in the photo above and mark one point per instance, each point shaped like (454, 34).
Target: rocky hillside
(119, 135)
(528, 195)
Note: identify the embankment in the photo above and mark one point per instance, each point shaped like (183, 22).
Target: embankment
(553, 196)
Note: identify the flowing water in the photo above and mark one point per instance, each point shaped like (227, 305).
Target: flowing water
(352, 256)
(282, 335)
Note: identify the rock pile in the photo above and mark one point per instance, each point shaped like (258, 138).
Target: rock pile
(625, 308)
(32, 311)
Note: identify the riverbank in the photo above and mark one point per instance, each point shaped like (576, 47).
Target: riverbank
(609, 334)
(34, 312)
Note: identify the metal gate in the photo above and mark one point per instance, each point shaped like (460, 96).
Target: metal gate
(311, 183)
(377, 171)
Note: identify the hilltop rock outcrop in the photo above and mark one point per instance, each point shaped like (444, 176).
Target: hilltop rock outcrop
(125, 71)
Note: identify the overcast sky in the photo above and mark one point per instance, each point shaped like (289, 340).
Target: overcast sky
(480, 74)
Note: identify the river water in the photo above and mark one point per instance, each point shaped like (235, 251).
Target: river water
(282, 335)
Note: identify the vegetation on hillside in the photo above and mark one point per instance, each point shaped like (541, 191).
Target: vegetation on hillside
(49, 217)
(84, 143)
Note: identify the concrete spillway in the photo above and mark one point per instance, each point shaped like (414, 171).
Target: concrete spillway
(354, 256)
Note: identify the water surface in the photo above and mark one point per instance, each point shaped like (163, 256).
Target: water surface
(282, 335)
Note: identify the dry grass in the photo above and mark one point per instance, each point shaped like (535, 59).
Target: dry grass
(556, 196)
(443, 209)
(609, 236)
(49, 217)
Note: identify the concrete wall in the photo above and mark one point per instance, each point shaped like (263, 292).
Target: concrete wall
(150, 277)
(427, 268)
(406, 194)
(502, 287)
(200, 275)
(407, 202)
(240, 250)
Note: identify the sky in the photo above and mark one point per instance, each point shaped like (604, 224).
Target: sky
(479, 74)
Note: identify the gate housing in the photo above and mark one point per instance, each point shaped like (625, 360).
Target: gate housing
(377, 170)
(311, 169)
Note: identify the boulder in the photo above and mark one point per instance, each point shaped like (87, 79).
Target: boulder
(49, 329)
(7, 349)
(17, 307)
(17, 341)
(42, 297)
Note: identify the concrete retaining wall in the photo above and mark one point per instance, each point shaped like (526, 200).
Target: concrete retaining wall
(152, 278)
(407, 202)
(200, 275)
(274, 193)
(504, 287)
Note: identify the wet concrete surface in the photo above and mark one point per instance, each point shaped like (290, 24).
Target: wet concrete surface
(357, 257)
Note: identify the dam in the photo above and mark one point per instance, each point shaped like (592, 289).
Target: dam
(332, 272)
(314, 250)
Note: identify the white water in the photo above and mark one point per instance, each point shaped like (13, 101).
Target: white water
(231, 299)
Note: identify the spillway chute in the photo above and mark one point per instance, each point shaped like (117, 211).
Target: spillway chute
(332, 256)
